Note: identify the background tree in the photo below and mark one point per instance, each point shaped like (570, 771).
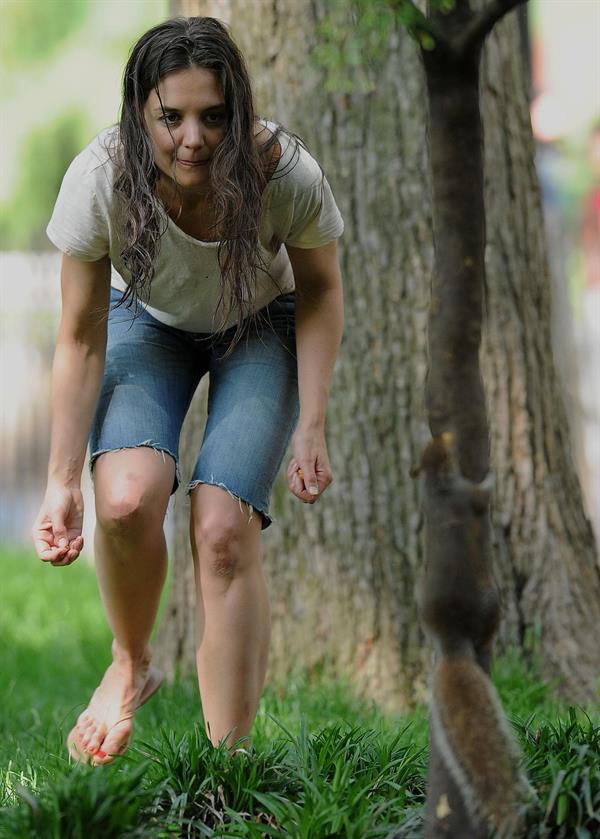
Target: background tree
(358, 552)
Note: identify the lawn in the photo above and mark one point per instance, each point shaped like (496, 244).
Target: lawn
(323, 763)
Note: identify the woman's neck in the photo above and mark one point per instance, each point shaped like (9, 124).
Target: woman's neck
(193, 212)
(183, 200)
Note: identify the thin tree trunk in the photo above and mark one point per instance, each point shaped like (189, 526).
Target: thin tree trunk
(473, 778)
(456, 404)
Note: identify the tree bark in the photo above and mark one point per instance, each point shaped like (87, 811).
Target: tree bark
(357, 553)
(545, 553)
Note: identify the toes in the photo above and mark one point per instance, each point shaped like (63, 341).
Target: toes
(84, 738)
(75, 748)
(90, 734)
(95, 741)
(86, 726)
(115, 743)
(101, 758)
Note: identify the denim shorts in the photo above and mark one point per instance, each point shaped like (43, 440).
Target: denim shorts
(152, 371)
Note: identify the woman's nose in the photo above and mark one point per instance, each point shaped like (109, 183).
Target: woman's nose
(193, 135)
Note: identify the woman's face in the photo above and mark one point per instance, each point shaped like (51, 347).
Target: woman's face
(185, 135)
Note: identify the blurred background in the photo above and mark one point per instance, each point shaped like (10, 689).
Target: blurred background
(61, 74)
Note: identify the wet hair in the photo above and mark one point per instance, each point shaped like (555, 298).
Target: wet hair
(239, 169)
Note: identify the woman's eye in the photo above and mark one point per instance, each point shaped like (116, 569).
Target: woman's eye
(211, 120)
(214, 119)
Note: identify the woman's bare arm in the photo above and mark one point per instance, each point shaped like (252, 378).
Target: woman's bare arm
(319, 327)
(77, 373)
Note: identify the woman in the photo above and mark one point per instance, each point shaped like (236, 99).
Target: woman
(209, 237)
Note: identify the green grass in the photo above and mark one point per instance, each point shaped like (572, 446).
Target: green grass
(323, 763)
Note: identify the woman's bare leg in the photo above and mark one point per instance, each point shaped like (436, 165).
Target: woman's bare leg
(234, 616)
(132, 489)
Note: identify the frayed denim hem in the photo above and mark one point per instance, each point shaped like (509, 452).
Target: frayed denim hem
(266, 518)
(149, 444)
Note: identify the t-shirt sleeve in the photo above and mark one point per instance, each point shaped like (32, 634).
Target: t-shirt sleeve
(79, 225)
(316, 219)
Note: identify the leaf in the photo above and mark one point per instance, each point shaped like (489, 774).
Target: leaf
(555, 791)
(27, 796)
(425, 40)
(563, 808)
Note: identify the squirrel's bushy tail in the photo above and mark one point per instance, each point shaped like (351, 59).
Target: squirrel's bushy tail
(476, 743)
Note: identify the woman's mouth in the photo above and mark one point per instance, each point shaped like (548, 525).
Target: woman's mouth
(191, 164)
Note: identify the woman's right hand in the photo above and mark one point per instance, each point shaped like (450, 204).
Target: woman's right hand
(57, 529)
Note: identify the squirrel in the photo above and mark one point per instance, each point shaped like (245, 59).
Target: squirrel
(459, 606)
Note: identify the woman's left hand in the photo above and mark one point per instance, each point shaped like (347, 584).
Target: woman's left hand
(309, 473)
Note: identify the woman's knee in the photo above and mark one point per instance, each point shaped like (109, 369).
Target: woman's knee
(132, 490)
(227, 538)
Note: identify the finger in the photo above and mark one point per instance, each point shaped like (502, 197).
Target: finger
(73, 553)
(60, 531)
(325, 478)
(309, 477)
(59, 563)
(297, 487)
(309, 497)
(74, 549)
(41, 535)
(66, 558)
(50, 554)
(292, 470)
(294, 482)
(42, 541)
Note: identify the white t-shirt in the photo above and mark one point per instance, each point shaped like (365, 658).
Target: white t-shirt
(186, 286)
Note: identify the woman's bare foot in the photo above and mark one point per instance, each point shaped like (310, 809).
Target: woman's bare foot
(103, 730)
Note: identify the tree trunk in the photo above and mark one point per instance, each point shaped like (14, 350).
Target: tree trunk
(546, 558)
(342, 572)
(457, 583)
(474, 783)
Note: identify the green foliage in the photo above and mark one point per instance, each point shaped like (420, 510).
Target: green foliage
(81, 803)
(323, 763)
(338, 781)
(416, 23)
(202, 782)
(355, 35)
(32, 31)
(44, 159)
(37, 39)
(353, 40)
(522, 696)
(444, 6)
(562, 761)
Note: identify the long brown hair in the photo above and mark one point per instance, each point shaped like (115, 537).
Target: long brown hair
(238, 172)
